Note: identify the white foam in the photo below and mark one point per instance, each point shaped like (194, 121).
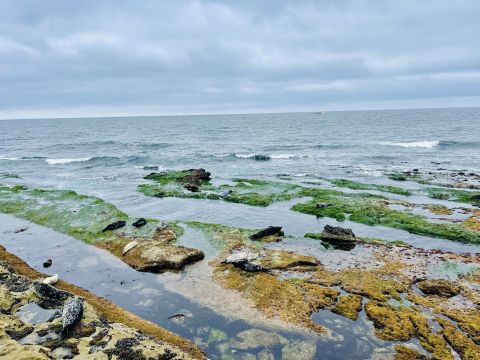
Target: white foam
(9, 158)
(65, 161)
(412, 144)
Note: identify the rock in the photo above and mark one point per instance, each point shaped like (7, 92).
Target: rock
(155, 256)
(260, 157)
(192, 187)
(438, 287)
(240, 257)
(47, 263)
(299, 351)
(271, 230)
(129, 247)
(71, 315)
(116, 225)
(161, 226)
(51, 279)
(48, 292)
(337, 235)
(139, 223)
(255, 338)
(475, 199)
(20, 230)
(250, 267)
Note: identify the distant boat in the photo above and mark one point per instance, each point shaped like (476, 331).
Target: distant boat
(321, 112)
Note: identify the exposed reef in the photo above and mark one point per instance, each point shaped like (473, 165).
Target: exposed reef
(97, 222)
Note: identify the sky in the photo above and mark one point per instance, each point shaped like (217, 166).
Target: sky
(116, 58)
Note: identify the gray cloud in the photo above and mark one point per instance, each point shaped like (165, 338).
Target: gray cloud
(60, 58)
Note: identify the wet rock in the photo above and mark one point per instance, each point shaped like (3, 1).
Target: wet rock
(155, 256)
(255, 338)
(48, 292)
(17, 334)
(475, 199)
(116, 225)
(271, 230)
(20, 230)
(260, 157)
(225, 193)
(348, 306)
(71, 315)
(438, 287)
(249, 267)
(47, 263)
(299, 351)
(139, 223)
(337, 235)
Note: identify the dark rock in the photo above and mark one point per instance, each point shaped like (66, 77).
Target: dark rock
(115, 225)
(48, 292)
(225, 193)
(47, 263)
(19, 334)
(475, 198)
(196, 176)
(271, 230)
(139, 223)
(192, 187)
(20, 230)
(337, 235)
(260, 157)
(249, 267)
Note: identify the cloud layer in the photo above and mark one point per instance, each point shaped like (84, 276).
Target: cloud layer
(62, 58)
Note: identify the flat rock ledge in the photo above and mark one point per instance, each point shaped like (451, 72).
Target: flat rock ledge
(106, 331)
(154, 256)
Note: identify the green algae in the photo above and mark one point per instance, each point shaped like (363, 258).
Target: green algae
(464, 196)
(65, 211)
(252, 192)
(371, 209)
(355, 185)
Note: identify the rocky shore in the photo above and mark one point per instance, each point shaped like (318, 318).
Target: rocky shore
(31, 322)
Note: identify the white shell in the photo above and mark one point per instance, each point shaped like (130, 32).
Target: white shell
(51, 279)
(241, 256)
(129, 247)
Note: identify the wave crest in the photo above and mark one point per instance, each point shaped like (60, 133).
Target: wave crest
(412, 144)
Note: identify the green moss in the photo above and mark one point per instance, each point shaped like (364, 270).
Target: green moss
(80, 216)
(252, 192)
(373, 210)
(464, 196)
(362, 186)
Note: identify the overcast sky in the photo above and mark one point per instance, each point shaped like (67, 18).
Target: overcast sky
(100, 57)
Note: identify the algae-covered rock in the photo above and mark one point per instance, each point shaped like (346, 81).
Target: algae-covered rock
(390, 324)
(439, 287)
(96, 221)
(301, 350)
(348, 306)
(407, 353)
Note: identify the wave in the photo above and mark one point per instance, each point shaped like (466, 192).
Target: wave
(412, 144)
(9, 158)
(65, 161)
(261, 157)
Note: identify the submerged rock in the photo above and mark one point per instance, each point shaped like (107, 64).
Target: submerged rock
(255, 338)
(139, 223)
(47, 263)
(439, 287)
(115, 225)
(271, 230)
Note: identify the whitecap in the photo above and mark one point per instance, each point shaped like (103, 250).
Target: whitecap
(412, 144)
(65, 161)
(9, 158)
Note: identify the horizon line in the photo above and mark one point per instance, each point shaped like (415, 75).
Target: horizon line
(233, 113)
